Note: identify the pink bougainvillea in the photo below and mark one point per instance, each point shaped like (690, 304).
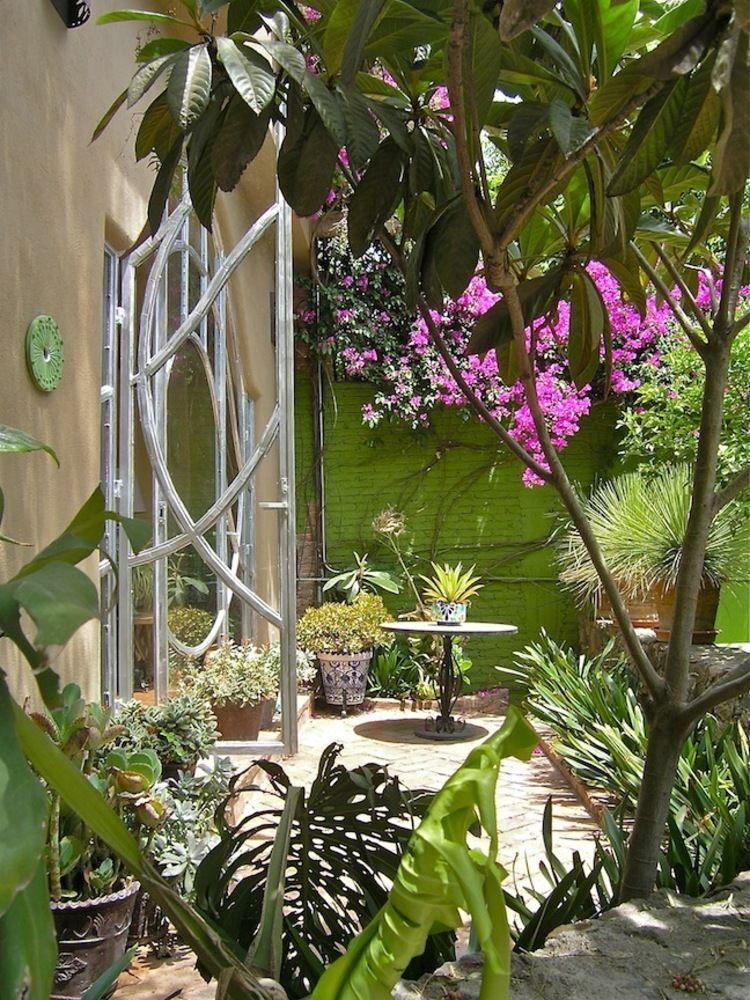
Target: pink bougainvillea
(375, 340)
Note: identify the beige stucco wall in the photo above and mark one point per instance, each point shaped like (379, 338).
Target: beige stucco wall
(61, 199)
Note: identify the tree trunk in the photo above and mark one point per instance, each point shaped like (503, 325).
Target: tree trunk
(665, 742)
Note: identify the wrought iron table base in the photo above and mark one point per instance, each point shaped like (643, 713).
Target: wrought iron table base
(446, 726)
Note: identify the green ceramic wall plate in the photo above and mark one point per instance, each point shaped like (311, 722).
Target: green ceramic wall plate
(44, 353)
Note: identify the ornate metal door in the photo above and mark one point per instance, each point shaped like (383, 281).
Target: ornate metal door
(189, 458)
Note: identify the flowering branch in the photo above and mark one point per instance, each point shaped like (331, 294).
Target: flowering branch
(656, 281)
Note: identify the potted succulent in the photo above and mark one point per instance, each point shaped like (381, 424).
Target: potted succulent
(91, 896)
(640, 522)
(449, 591)
(180, 731)
(237, 681)
(343, 637)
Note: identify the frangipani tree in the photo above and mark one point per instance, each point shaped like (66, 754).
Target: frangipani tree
(626, 128)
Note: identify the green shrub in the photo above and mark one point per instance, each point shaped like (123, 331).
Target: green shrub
(599, 729)
(180, 731)
(344, 628)
(232, 675)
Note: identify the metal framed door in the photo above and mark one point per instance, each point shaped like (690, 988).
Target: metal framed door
(156, 333)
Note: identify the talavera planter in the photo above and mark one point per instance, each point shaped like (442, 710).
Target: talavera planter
(345, 677)
(449, 612)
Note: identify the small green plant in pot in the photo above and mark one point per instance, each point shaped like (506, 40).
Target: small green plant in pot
(91, 895)
(180, 732)
(237, 680)
(361, 579)
(343, 637)
(449, 591)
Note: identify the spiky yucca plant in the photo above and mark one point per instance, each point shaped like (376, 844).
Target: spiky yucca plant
(640, 523)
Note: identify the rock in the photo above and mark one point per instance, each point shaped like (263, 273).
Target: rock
(653, 948)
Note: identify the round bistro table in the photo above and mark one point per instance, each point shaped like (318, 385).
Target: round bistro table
(445, 726)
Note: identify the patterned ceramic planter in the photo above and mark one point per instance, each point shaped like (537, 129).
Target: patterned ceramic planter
(449, 612)
(91, 936)
(345, 677)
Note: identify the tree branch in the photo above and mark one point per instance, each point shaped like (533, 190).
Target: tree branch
(698, 343)
(724, 496)
(458, 107)
(737, 241)
(733, 686)
(651, 679)
(740, 324)
(687, 294)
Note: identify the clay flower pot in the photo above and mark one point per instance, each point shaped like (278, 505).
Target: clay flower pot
(238, 723)
(91, 934)
(642, 610)
(704, 628)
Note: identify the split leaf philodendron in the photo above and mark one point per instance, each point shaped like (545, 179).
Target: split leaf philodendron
(440, 875)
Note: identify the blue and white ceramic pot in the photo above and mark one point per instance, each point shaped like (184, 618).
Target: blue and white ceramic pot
(449, 612)
(345, 676)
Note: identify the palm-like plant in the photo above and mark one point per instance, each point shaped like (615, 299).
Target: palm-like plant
(640, 523)
(451, 584)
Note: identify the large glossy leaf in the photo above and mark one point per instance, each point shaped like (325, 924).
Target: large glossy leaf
(569, 130)
(190, 85)
(612, 97)
(160, 47)
(109, 114)
(485, 53)
(533, 169)
(145, 77)
(343, 851)
(141, 15)
(346, 34)
(59, 598)
(13, 441)
(159, 196)
(586, 327)
(698, 117)
(613, 23)
(439, 875)
(362, 133)
(306, 164)
(28, 947)
(374, 198)
(158, 131)
(250, 73)
(731, 160)
(649, 141)
(239, 140)
(23, 811)
(455, 247)
(626, 272)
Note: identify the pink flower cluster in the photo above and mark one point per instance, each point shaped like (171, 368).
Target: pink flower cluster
(414, 380)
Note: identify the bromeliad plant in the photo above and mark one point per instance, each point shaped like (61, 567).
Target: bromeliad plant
(449, 591)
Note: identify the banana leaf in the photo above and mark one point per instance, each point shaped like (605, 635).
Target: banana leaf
(439, 876)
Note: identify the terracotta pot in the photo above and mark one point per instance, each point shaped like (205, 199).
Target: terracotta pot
(91, 934)
(704, 629)
(642, 611)
(345, 676)
(269, 707)
(238, 722)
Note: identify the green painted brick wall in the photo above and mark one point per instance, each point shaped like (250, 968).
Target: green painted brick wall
(463, 500)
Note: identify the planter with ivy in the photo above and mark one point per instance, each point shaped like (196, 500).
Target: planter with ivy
(91, 894)
(343, 637)
(238, 681)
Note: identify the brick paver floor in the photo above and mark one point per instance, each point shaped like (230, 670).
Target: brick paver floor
(388, 737)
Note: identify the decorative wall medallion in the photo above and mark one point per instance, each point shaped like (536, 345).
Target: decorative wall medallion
(73, 12)
(44, 353)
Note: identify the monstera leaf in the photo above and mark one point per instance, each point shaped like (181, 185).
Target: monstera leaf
(439, 876)
(343, 841)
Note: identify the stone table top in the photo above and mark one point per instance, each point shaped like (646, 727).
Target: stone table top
(440, 628)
